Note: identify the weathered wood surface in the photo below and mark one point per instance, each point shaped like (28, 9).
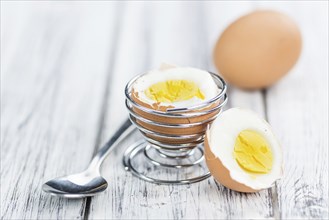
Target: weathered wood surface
(63, 69)
(297, 108)
(53, 70)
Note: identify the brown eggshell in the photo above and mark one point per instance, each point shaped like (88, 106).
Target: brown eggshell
(171, 140)
(221, 173)
(158, 107)
(163, 119)
(258, 49)
(174, 131)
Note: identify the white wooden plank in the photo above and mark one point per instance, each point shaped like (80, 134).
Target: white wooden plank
(298, 112)
(219, 16)
(53, 63)
(173, 32)
(118, 201)
(52, 109)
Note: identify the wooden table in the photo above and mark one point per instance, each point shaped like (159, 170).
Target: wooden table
(64, 66)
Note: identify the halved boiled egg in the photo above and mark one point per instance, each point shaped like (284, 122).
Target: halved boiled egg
(175, 87)
(242, 152)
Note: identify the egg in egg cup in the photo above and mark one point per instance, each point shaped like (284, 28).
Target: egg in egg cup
(172, 107)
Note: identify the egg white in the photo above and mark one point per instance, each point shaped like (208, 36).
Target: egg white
(222, 136)
(200, 77)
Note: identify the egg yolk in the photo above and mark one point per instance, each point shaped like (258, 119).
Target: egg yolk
(174, 91)
(252, 152)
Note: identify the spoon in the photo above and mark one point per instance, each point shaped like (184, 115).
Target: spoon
(90, 181)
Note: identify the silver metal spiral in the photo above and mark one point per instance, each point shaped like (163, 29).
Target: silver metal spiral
(171, 150)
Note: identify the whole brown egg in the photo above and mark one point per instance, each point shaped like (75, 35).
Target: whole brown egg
(258, 49)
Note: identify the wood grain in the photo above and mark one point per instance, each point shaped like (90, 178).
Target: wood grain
(52, 90)
(64, 68)
(298, 112)
(218, 16)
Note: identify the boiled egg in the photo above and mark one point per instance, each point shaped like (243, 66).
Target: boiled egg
(175, 87)
(172, 87)
(258, 49)
(242, 152)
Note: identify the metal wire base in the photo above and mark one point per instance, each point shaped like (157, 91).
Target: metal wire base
(162, 167)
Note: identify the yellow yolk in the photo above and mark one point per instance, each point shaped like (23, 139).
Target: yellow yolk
(252, 152)
(174, 91)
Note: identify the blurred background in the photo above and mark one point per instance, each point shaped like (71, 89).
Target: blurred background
(64, 66)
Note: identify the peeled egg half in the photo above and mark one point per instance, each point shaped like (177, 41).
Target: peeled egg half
(242, 152)
(174, 87)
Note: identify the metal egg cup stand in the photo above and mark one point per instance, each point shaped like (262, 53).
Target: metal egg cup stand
(169, 163)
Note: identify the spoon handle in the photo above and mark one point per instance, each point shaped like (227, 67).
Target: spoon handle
(125, 129)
